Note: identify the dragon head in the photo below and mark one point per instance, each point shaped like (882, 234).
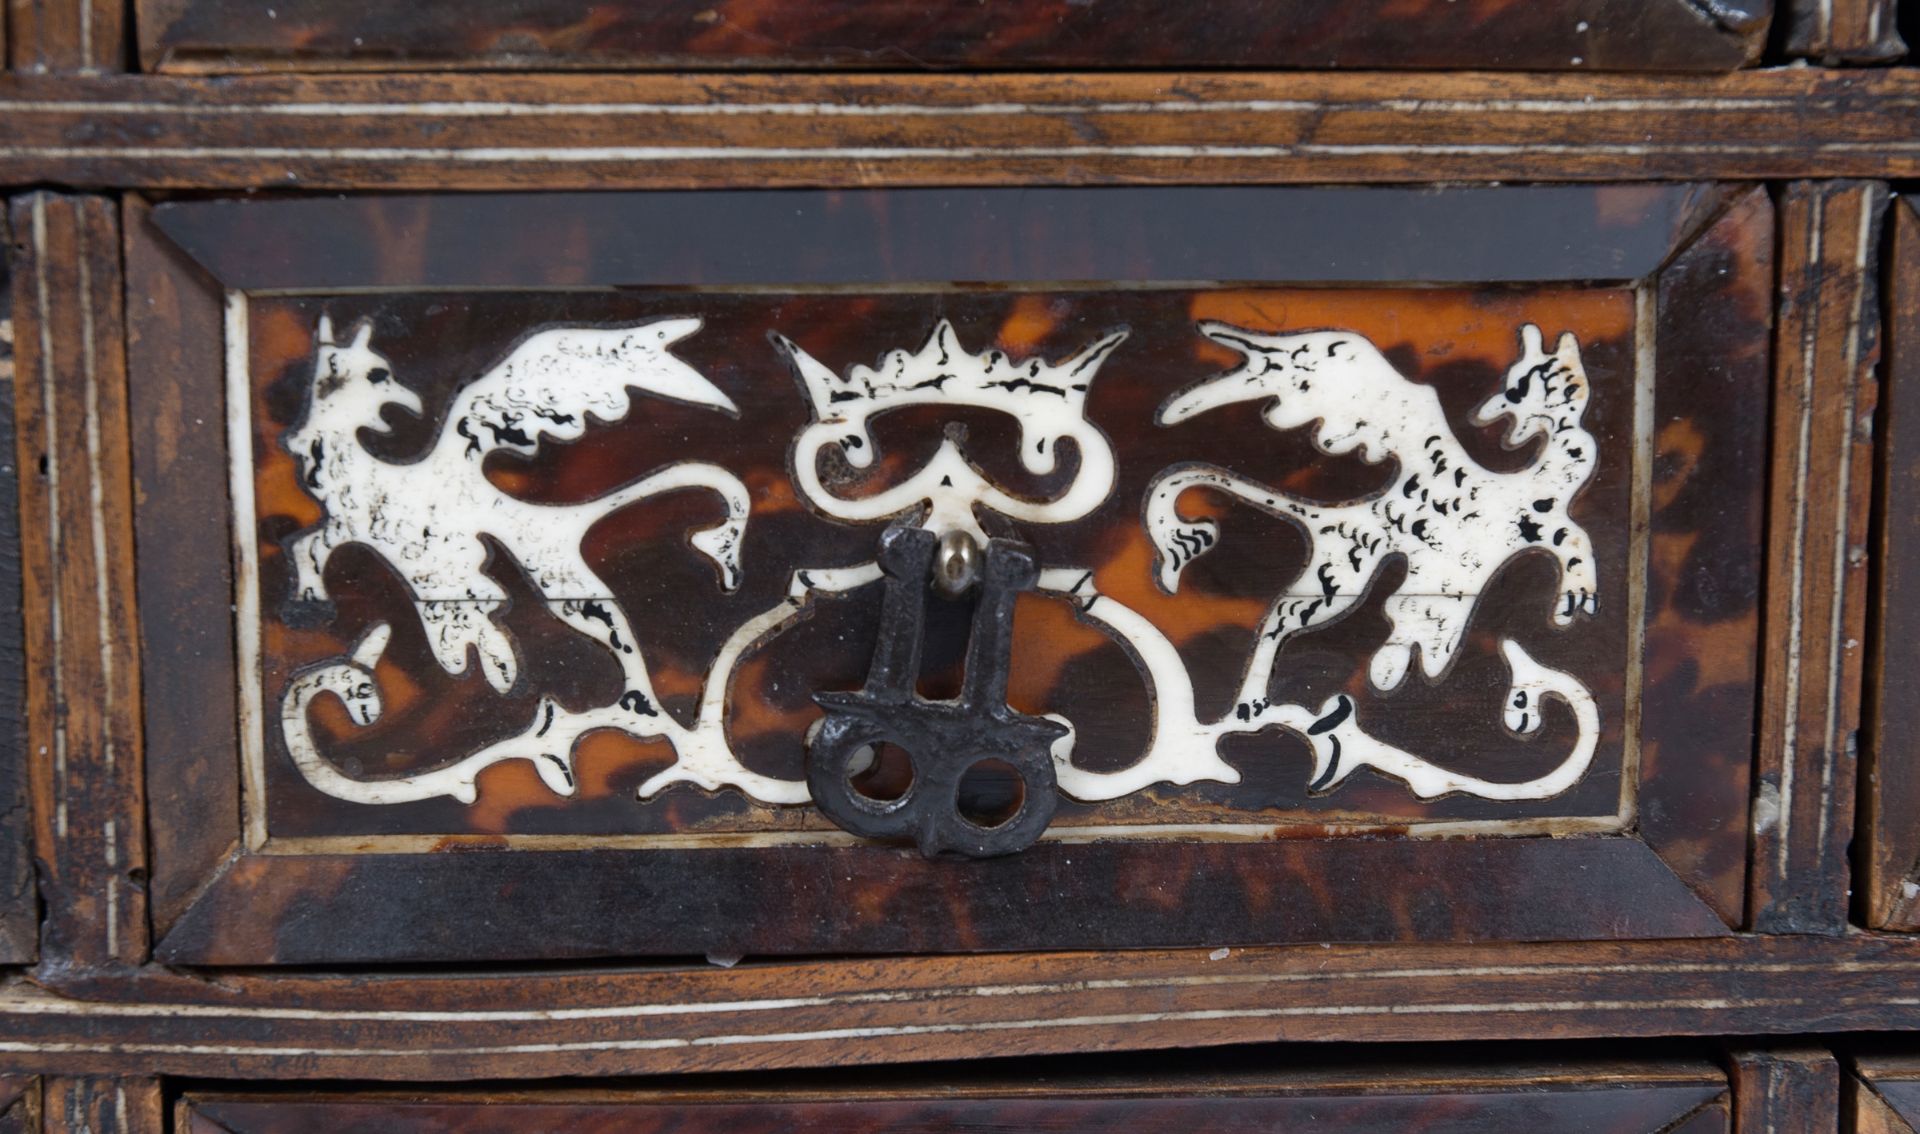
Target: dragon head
(351, 385)
(1543, 393)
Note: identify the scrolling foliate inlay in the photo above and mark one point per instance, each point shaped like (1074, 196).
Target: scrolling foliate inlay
(1412, 549)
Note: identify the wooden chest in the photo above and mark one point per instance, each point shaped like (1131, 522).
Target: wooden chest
(877, 566)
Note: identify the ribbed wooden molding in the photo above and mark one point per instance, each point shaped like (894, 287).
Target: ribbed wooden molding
(83, 678)
(666, 131)
(1814, 625)
(823, 1013)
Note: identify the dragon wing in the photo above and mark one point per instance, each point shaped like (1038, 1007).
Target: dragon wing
(551, 381)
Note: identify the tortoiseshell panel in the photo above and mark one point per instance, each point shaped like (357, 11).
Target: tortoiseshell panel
(1460, 341)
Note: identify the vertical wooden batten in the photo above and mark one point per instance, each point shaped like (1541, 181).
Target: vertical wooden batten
(1844, 31)
(100, 1105)
(83, 677)
(1785, 1088)
(1826, 347)
(84, 36)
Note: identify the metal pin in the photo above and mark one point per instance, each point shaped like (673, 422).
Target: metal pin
(956, 564)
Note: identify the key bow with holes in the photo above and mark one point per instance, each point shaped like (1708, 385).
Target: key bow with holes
(942, 739)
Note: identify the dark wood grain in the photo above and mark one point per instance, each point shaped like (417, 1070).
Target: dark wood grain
(175, 387)
(89, 1105)
(19, 909)
(1815, 621)
(1600, 35)
(1785, 1088)
(1844, 31)
(598, 132)
(758, 1016)
(1889, 854)
(83, 689)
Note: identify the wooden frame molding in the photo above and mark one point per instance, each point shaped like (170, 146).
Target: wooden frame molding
(83, 682)
(1826, 348)
(1889, 852)
(682, 131)
(1674, 867)
(821, 1013)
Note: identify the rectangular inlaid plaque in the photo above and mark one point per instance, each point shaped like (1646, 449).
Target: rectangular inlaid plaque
(606, 535)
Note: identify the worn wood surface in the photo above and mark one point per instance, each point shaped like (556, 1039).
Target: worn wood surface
(1889, 852)
(820, 1013)
(1844, 31)
(1598, 35)
(1825, 389)
(87, 1105)
(83, 681)
(1793, 1087)
(19, 911)
(1571, 1095)
(678, 131)
(80, 36)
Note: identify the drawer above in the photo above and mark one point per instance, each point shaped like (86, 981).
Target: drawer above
(1590, 1098)
(898, 35)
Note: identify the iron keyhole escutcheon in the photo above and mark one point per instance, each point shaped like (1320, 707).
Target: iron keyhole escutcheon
(943, 740)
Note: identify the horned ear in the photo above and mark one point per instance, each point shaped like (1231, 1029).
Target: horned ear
(324, 335)
(362, 334)
(1530, 344)
(1567, 349)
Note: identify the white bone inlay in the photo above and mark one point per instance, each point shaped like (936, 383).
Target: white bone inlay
(1455, 523)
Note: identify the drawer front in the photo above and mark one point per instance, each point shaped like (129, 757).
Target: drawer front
(1592, 1099)
(1635, 35)
(1406, 591)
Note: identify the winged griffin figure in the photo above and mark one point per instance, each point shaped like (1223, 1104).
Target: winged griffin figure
(426, 517)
